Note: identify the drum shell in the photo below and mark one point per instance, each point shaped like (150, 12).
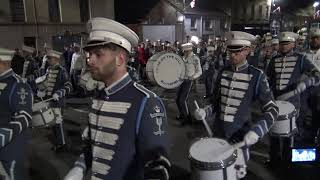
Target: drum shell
(149, 67)
(222, 170)
(42, 116)
(285, 125)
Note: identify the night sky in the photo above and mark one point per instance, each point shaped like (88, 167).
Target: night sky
(131, 11)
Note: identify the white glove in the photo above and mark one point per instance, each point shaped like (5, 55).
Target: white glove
(75, 173)
(41, 94)
(100, 85)
(251, 138)
(55, 97)
(301, 87)
(200, 114)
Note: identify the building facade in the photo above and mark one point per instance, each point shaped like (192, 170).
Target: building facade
(39, 22)
(185, 21)
(251, 15)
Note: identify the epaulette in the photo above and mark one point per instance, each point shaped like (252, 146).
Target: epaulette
(144, 90)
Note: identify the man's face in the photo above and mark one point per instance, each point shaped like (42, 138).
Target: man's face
(268, 50)
(286, 47)
(102, 63)
(315, 43)
(237, 57)
(275, 47)
(4, 66)
(52, 61)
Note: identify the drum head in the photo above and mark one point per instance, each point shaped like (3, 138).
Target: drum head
(211, 150)
(285, 107)
(168, 70)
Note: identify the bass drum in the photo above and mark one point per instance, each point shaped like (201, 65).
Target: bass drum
(166, 70)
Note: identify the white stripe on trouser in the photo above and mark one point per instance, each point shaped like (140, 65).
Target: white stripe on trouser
(185, 100)
(3, 172)
(13, 164)
(59, 121)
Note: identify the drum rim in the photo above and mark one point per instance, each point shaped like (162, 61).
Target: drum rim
(40, 112)
(214, 165)
(287, 116)
(222, 164)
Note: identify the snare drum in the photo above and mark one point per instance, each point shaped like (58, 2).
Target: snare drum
(166, 70)
(43, 115)
(286, 123)
(213, 159)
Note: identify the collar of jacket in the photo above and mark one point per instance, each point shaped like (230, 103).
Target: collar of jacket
(240, 67)
(292, 52)
(118, 85)
(6, 74)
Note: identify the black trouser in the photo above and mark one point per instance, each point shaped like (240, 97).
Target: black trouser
(75, 77)
(280, 150)
(13, 169)
(182, 98)
(208, 84)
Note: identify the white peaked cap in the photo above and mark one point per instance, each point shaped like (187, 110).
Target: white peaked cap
(6, 54)
(28, 49)
(103, 31)
(275, 41)
(239, 38)
(187, 46)
(314, 32)
(53, 53)
(288, 36)
(210, 48)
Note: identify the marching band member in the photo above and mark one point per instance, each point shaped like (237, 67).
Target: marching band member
(310, 98)
(78, 64)
(265, 56)
(16, 101)
(285, 72)
(212, 65)
(193, 71)
(127, 131)
(30, 68)
(238, 85)
(275, 47)
(56, 85)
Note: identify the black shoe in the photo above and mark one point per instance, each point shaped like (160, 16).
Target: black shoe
(178, 117)
(271, 164)
(61, 148)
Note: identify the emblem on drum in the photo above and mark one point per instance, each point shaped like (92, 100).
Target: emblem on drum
(23, 95)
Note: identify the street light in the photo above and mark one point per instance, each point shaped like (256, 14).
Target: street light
(315, 5)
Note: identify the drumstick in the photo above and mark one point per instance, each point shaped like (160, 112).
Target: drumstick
(239, 145)
(46, 100)
(287, 95)
(204, 121)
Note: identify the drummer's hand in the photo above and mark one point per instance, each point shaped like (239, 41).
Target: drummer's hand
(301, 87)
(41, 94)
(75, 173)
(55, 97)
(251, 138)
(200, 114)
